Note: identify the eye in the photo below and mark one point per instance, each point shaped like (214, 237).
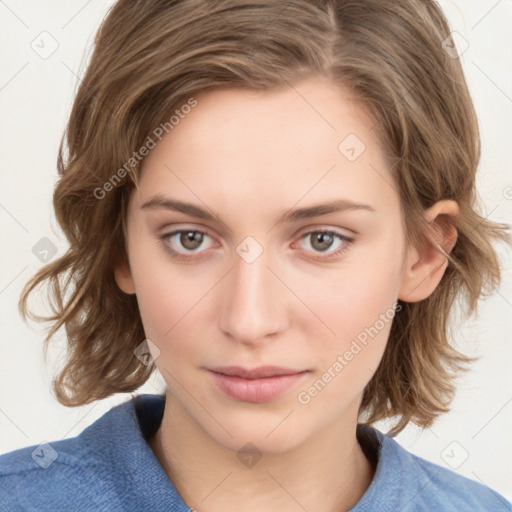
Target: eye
(183, 243)
(326, 242)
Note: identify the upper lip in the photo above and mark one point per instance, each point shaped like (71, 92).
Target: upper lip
(255, 373)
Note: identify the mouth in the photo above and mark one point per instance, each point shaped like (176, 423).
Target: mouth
(256, 385)
(255, 373)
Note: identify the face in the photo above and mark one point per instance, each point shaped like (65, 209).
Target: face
(266, 231)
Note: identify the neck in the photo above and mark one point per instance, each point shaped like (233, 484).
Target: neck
(328, 473)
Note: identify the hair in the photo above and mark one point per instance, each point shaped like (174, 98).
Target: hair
(150, 57)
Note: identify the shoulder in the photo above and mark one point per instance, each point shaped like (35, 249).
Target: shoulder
(79, 473)
(445, 488)
(51, 471)
(423, 485)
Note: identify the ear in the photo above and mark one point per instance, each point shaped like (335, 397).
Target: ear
(425, 265)
(123, 277)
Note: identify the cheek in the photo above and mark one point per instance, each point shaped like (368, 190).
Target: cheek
(359, 316)
(354, 311)
(171, 299)
(352, 297)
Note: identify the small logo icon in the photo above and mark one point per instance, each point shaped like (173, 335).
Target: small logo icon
(45, 45)
(147, 352)
(45, 455)
(507, 193)
(249, 455)
(249, 249)
(455, 455)
(455, 45)
(351, 147)
(44, 250)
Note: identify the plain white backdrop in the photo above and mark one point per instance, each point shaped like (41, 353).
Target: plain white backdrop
(45, 45)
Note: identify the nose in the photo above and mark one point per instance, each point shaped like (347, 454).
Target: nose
(253, 303)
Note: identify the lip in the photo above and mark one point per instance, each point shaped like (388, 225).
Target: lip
(256, 385)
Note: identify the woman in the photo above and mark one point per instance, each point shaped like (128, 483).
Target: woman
(273, 205)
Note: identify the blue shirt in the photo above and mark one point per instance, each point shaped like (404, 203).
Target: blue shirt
(111, 467)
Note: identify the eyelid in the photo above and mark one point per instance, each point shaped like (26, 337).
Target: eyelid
(325, 228)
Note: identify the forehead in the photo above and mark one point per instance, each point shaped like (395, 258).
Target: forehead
(309, 115)
(307, 141)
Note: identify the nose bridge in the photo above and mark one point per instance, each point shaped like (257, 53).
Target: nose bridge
(252, 306)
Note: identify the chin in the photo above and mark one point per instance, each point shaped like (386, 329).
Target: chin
(263, 432)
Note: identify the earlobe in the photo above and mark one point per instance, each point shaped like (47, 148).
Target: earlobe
(124, 279)
(425, 265)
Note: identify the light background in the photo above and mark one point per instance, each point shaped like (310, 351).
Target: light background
(35, 97)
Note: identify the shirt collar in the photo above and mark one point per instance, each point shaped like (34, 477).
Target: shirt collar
(132, 423)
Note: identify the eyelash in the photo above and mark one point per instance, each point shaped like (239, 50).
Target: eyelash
(188, 257)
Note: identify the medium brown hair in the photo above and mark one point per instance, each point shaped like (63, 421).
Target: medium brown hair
(152, 56)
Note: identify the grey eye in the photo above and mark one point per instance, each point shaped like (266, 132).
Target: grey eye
(321, 241)
(324, 241)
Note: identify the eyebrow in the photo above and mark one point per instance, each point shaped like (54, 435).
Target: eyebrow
(339, 205)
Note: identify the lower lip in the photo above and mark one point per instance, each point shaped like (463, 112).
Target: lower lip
(256, 390)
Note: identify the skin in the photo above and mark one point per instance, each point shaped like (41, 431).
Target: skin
(248, 158)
